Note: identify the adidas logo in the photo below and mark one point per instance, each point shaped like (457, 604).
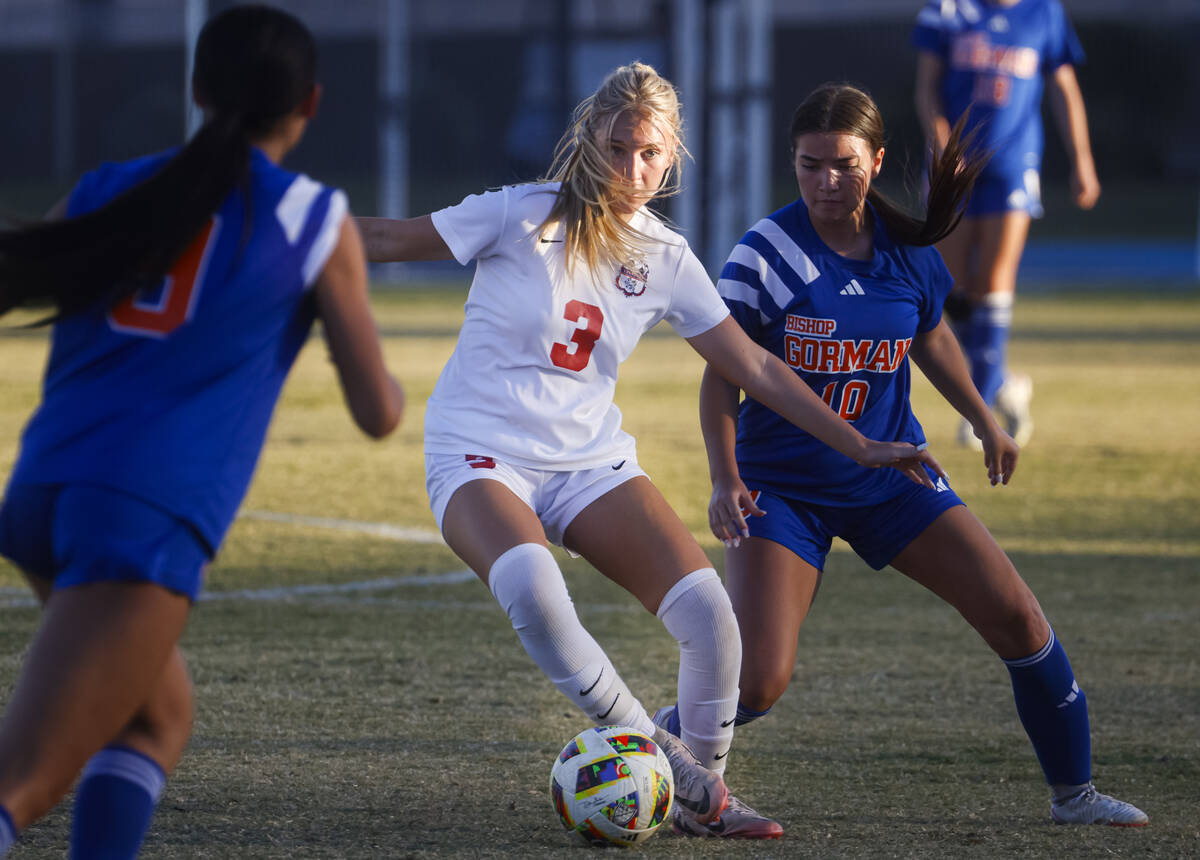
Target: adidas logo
(854, 288)
(941, 486)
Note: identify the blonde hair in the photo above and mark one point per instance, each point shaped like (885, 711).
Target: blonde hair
(593, 232)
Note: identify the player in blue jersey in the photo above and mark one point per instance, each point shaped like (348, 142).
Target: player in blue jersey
(986, 60)
(185, 284)
(844, 286)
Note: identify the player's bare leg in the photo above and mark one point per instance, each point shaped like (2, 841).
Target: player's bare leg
(502, 539)
(631, 535)
(1001, 243)
(772, 590)
(98, 656)
(957, 559)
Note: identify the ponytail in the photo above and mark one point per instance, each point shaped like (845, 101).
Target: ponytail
(130, 242)
(952, 176)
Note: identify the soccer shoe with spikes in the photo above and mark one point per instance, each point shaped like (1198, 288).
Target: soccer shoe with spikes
(1092, 807)
(738, 821)
(1012, 405)
(697, 789)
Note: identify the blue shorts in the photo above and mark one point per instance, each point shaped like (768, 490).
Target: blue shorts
(994, 195)
(876, 532)
(74, 534)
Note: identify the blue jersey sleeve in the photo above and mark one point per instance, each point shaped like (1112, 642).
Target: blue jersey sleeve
(932, 272)
(741, 289)
(931, 30)
(1062, 45)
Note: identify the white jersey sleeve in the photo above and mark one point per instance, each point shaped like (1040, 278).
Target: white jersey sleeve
(696, 306)
(470, 228)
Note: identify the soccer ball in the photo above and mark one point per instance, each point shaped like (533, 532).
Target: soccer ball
(612, 784)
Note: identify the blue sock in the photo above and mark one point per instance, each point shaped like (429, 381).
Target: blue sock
(747, 715)
(673, 726)
(114, 803)
(8, 832)
(1053, 711)
(985, 342)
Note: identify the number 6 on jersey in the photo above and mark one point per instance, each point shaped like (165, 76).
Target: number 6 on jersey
(584, 337)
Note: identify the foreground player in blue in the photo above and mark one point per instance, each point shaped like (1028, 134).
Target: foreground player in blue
(986, 60)
(185, 284)
(843, 286)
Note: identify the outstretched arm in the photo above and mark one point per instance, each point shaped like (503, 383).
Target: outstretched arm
(1066, 103)
(402, 240)
(374, 398)
(731, 499)
(940, 358)
(768, 380)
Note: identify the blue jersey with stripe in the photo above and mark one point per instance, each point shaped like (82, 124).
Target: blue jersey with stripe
(996, 57)
(168, 395)
(845, 326)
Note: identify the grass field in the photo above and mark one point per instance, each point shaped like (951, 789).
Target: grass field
(397, 716)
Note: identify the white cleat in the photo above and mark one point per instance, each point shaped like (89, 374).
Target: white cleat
(697, 789)
(1092, 807)
(1012, 407)
(738, 821)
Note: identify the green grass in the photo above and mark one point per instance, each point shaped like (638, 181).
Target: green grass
(407, 721)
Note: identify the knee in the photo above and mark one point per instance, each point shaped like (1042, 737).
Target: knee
(762, 685)
(1017, 629)
(162, 727)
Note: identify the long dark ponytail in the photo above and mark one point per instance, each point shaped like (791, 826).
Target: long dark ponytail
(254, 66)
(845, 109)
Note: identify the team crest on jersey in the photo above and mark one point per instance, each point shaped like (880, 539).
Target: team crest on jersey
(632, 278)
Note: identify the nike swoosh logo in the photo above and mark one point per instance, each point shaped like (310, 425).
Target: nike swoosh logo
(610, 707)
(618, 466)
(700, 807)
(727, 723)
(594, 683)
(721, 756)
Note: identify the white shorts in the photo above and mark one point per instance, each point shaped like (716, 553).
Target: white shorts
(556, 497)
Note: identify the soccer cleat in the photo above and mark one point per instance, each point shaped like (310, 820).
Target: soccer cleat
(1012, 406)
(738, 821)
(1092, 807)
(697, 789)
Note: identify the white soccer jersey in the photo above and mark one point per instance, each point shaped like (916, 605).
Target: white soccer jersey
(532, 376)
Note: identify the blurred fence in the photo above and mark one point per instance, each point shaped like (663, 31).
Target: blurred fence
(451, 96)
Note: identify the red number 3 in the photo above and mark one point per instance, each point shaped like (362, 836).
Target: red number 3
(584, 338)
(181, 286)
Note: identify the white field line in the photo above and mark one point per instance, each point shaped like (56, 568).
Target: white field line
(387, 531)
(13, 598)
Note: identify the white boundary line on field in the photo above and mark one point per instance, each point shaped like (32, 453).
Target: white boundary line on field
(407, 534)
(13, 598)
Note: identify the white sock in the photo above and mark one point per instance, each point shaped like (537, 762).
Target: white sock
(530, 588)
(697, 612)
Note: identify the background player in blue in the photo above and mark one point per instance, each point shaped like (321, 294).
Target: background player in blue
(843, 286)
(986, 59)
(185, 284)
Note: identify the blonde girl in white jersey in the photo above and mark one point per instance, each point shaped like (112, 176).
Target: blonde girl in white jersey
(524, 444)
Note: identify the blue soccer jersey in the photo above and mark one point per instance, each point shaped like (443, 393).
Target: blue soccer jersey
(996, 57)
(845, 326)
(168, 395)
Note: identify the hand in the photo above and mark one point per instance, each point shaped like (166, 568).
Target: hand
(999, 454)
(731, 502)
(905, 457)
(1085, 187)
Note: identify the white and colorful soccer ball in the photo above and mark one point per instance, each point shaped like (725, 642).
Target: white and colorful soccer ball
(612, 784)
